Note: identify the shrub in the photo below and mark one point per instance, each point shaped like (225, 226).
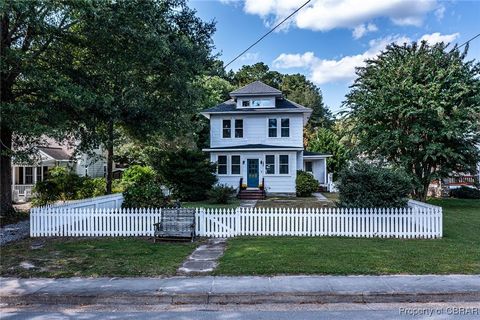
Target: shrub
(221, 194)
(61, 184)
(144, 194)
(465, 193)
(91, 188)
(188, 174)
(365, 185)
(137, 173)
(305, 184)
(45, 192)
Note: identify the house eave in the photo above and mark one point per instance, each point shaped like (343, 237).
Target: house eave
(251, 149)
(257, 111)
(318, 157)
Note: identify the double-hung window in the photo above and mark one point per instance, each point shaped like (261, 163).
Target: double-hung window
(272, 128)
(227, 129)
(39, 173)
(238, 128)
(28, 175)
(235, 165)
(283, 163)
(285, 127)
(270, 164)
(222, 165)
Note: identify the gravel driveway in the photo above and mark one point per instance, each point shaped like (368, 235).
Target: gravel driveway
(14, 232)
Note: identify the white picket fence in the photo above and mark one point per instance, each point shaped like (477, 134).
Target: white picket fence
(418, 220)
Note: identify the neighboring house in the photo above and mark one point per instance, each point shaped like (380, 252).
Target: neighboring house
(25, 175)
(440, 188)
(256, 140)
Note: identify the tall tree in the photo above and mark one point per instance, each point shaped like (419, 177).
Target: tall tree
(36, 96)
(297, 88)
(143, 80)
(214, 91)
(258, 71)
(418, 107)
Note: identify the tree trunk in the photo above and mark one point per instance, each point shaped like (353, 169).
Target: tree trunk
(5, 171)
(109, 158)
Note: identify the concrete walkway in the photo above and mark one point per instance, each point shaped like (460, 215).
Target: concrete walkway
(204, 258)
(248, 203)
(320, 197)
(241, 290)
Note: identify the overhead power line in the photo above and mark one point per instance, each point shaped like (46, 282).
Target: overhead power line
(472, 38)
(266, 34)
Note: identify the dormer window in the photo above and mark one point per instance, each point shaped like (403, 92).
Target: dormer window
(246, 103)
(261, 103)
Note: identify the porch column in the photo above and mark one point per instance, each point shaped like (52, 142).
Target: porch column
(34, 175)
(14, 171)
(325, 171)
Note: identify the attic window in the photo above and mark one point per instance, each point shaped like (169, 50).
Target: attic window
(261, 103)
(246, 103)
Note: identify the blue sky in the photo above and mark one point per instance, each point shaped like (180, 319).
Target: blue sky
(328, 38)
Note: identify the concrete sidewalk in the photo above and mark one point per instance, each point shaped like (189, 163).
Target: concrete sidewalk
(240, 290)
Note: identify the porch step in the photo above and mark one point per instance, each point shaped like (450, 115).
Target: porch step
(251, 195)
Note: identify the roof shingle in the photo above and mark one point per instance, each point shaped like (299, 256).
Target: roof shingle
(256, 88)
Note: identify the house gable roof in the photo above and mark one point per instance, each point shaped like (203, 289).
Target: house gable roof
(56, 153)
(256, 88)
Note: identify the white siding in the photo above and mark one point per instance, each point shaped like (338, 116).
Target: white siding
(277, 183)
(94, 164)
(318, 168)
(255, 130)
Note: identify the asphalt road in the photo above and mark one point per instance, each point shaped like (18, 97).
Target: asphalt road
(432, 311)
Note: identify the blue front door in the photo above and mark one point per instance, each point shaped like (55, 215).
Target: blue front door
(252, 173)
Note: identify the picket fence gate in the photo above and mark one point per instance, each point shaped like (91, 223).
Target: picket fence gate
(418, 220)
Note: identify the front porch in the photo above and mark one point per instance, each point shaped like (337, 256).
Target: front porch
(24, 177)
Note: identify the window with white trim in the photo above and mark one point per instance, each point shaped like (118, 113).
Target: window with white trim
(246, 103)
(222, 165)
(270, 164)
(308, 166)
(238, 128)
(261, 103)
(285, 127)
(39, 174)
(227, 128)
(283, 164)
(272, 128)
(28, 175)
(235, 166)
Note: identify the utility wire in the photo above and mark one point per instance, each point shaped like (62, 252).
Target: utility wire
(266, 34)
(473, 38)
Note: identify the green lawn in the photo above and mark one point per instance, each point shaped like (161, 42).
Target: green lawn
(457, 252)
(94, 258)
(206, 204)
(293, 202)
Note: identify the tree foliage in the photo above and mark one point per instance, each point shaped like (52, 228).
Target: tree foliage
(143, 78)
(187, 173)
(37, 95)
(418, 107)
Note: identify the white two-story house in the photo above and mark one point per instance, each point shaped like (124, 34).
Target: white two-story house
(256, 140)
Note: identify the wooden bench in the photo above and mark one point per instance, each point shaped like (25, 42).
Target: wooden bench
(176, 224)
